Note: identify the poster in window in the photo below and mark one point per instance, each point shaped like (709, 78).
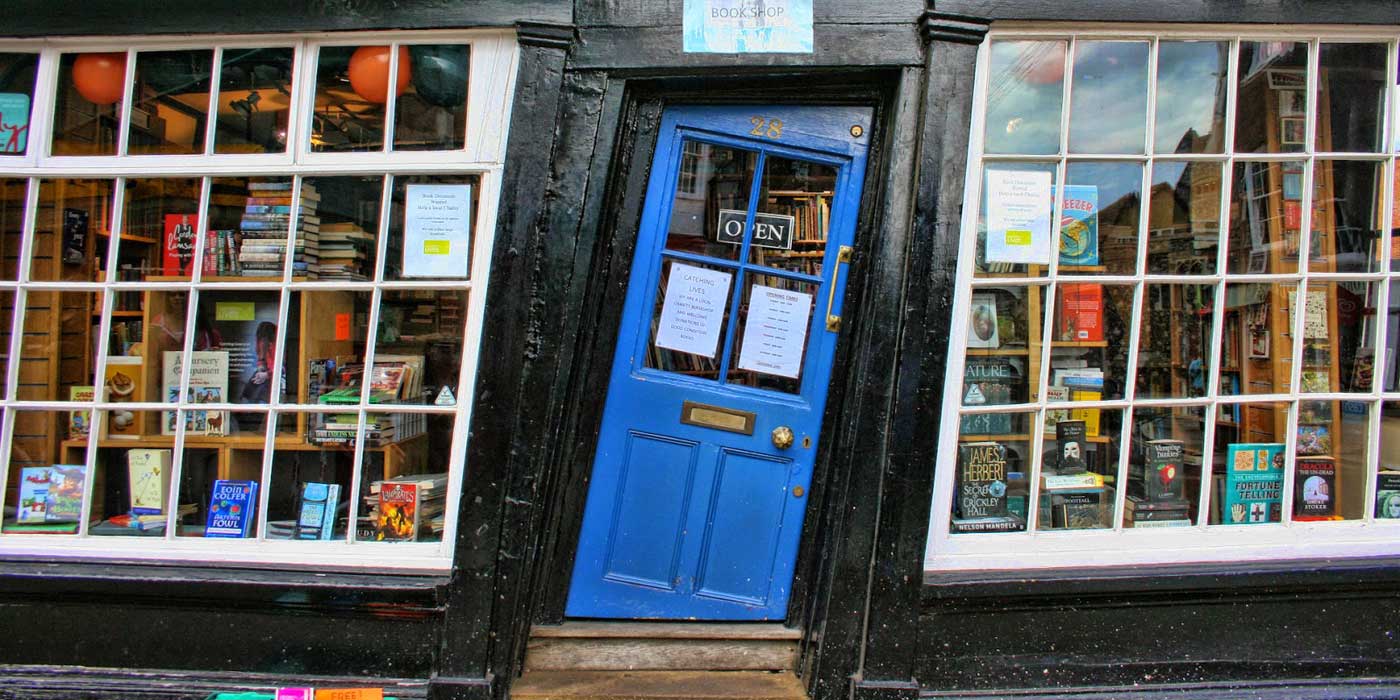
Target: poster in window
(693, 311)
(1019, 209)
(14, 122)
(437, 231)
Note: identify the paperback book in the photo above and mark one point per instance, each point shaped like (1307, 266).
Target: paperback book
(232, 505)
(1315, 488)
(148, 473)
(178, 244)
(1079, 317)
(1071, 447)
(981, 480)
(34, 483)
(317, 511)
(64, 503)
(397, 518)
(982, 329)
(208, 384)
(1162, 477)
(1388, 495)
(1079, 225)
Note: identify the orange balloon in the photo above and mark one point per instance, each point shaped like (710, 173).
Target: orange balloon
(100, 77)
(369, 72)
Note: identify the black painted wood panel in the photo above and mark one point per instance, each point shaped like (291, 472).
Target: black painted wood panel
(849, 45)
(656, 13)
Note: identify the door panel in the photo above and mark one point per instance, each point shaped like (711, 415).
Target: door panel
(695, 505)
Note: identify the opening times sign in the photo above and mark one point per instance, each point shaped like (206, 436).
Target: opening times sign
(748, 26)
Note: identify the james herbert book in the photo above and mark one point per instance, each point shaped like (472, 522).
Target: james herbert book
(981, 482)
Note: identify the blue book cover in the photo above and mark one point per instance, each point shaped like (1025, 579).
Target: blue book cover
(1079, 226)
(33, 495)
(1253, 484)
(319, 502)
(231, 508)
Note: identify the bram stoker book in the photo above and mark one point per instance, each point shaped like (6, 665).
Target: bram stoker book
(981, 481)
(1314, 488)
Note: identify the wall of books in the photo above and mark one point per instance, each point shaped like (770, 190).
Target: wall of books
(1153, 335)
(276, 345)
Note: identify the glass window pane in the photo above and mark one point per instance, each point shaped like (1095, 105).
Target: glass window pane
(88, 103)
(403, 491)
(1003, 345)
(1191, 87)
(1345, 233)
(13, 192)
(241, 327)
(1258, 338)
(1079, 469)
(1184, 218)
(7, 310)
(171, 111)
(992, 481)
(16, 100)
(343, 227)
(332, 339)
(1175, 352)
(1025, 91)
(56, 350)
(309, 496)
(1392, 340)
(1350, 91)
(1091, 324)
(712, 200)
(1100, 218)
(1108, 101)
(1387, 504)
(793, 214)
(1270, 109)
(1332, 456)
(71, 228)
(254, 100)
(222, 456)
(349, 112)
(690, 320)
(431, 111)
(247, 232)
(1247, 476)
(46, 480)
(1164, 469)
(432, 225)
(1266, 216)
(1013, 220)
(418, 347)
(160, 222)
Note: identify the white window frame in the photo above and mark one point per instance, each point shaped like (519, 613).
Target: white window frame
(1038, 549)
(494, 59)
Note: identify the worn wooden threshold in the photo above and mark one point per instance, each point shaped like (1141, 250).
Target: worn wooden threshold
(658, 685)
(666, 630)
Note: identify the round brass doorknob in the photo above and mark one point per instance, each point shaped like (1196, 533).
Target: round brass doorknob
(782, 437)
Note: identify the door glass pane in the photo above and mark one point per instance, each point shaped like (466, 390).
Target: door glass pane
(16, 98)
(712, 200)
(774, 326)
(793, 215)
(692, 305)
(1024, 94)
(171, 111)
(254, 101)
(1350, 90)
(431, 112)
(1270, 114)
(1266, 215)
(1108, 104)
(87, 103)
(1183, 218)
(1191, 80)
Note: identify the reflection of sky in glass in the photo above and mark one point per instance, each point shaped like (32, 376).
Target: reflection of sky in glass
(1114, 180)
(1108, 101)
(1024, 94)
(1189, 80)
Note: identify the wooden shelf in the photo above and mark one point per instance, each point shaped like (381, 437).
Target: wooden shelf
(1083, 268)
(996, 352)
(1024, 437)
(1079, 343)
(131, 237)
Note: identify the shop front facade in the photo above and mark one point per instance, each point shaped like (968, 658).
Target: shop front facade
(379, 346)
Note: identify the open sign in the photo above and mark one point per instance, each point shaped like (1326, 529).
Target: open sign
(769, 230)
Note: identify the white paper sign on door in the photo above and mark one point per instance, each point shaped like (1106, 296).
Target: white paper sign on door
(437, 230)
(693, 311)
(775, 331)
(1019, 209)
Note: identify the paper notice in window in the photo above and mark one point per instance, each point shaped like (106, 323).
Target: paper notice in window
(693, 311)
(1019, 209)
(775, 332)
(437, 230)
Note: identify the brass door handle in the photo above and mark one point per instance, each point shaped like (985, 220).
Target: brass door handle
(843, 256)
(782, 437)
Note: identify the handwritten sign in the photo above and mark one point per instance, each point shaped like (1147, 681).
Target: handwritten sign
(14, 122)
(693, 311)
(1019, 208)
(748, 26)
(776, 332)
(437, 230)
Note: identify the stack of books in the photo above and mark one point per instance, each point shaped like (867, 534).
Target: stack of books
(266, 221)
(404, 507)
(344, 252)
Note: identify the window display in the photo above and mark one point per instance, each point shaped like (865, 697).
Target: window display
(1166, 343)
(267, 352)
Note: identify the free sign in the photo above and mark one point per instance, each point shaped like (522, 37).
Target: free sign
(769, 230)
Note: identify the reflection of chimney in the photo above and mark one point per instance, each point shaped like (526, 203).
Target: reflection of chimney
(1217, 131)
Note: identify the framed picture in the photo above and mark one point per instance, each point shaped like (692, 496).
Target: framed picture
(1258, 343)
(1294, 131)
(1292, 103)
(1287, 78)
(1258, 262)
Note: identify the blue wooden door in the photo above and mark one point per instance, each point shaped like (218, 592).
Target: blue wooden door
(713, 413)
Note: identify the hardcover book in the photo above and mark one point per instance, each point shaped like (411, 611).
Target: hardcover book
(1253, 484)
(1079, 225)
(1077, 509)
(990, 381)
(208, 384)
(1071, 447)
(317, 512)
(1388, 495)
(64, 503)
(75, 234)
(178, 244)
(232, 505)
(1314, 439)
(1079, 317)
(148, 471)
(981, 480)
(1315, 488)
(33, 495)
(398, 513)
(1162, 478)
(982, 322)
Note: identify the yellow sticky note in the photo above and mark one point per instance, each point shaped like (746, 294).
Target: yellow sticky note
(234, 311)
(437, 247)
(1018, 237)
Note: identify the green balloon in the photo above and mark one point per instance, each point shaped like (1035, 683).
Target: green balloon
(440, 74)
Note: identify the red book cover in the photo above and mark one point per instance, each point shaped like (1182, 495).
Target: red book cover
(1080, 316)
(178, 244)
(398, 512)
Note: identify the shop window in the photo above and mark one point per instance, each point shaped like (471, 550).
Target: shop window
(1188, 350)
(248, 299)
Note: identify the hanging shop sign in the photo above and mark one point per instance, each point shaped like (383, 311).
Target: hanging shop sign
(748, 26)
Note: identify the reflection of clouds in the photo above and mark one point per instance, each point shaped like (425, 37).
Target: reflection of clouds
(1108, 102)
(1115, 181)
(1188, 78)
(1023, 97)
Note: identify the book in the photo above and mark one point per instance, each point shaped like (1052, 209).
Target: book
(1071, 447)
(80, 420)
(1253, 485)
(320, 377)
(1314, 439)
(990, 381)
(1055, 394)
(1161, 476)
(1006, 523)
(397, 518)
(64, 501)
(124, 381)
(1079, 225)
(1089, 416)
(1079, 317)
(982, 322)
(1082, 480)
(1388, 495)
(1082, 378)
(316, 512)
(232, 505)
(34, 485)
(75, 235)
(208, 384)
(178, 244)
(148, 473)
(1076, 509)
(981, 480)
(1314, 488)
(247, 330)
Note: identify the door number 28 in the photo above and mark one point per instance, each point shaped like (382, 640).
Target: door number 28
(772, 128)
